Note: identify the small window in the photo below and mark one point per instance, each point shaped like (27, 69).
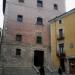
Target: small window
(39, 21)
(39, 40)
(18, 52)
(71, 45)
(55, 6)
(60, 21)
(18, 37)
(22, 1)
(39, 3)
(19, 18)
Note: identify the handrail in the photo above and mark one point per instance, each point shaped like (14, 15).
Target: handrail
(48, 68)
(35, 68)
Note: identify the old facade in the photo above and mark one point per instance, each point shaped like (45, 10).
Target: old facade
(63, 41)
(25, 41)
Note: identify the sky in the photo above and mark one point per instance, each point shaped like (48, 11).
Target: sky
(70, 4)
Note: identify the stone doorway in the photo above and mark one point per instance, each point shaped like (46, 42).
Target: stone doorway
(72, 65)
(38, 58)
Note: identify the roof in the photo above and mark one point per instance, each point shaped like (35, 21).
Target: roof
(62, 15)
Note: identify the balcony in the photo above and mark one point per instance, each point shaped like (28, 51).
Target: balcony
(61, 55)
(60, 38)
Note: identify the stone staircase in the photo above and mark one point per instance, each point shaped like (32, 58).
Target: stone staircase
(18, 71)
(48, 71)
(26, 71)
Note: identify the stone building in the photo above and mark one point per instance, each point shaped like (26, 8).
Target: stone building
(25, 44)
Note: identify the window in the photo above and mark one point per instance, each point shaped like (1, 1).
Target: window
(19, 18)
(18, 37)
(60, 33)
(60, 21)
(39, 3)
(71, 45)
(39, 21)
(18, 52)
(22, 1)
(61, 47)
(39, 39)
(55, 6)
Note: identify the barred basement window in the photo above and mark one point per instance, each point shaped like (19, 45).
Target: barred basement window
(18, 52)
(39, 3)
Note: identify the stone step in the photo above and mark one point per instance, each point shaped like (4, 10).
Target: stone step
(17, 71)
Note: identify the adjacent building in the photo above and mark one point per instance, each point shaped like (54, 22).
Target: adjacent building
(62, 37)
(25, 42)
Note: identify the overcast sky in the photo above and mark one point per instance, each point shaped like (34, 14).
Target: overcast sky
(70, 4)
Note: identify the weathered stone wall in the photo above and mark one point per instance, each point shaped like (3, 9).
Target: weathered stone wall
(27, 55)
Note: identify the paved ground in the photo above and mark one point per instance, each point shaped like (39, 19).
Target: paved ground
(58, 74)
(55, 73)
